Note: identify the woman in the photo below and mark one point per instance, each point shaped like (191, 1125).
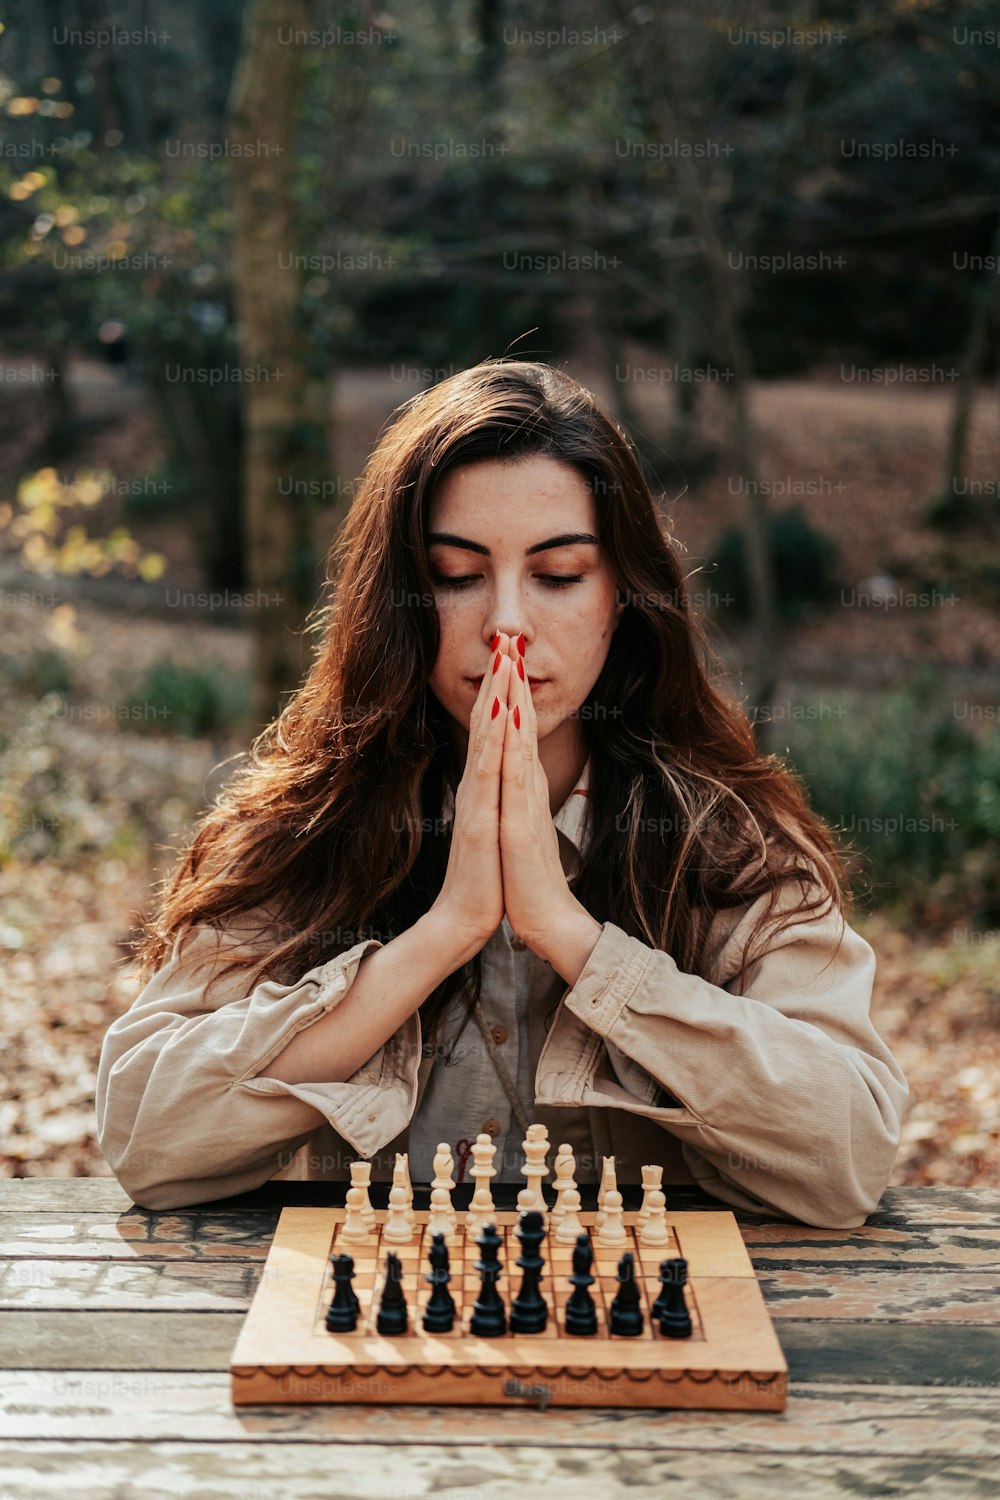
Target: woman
(507, 856)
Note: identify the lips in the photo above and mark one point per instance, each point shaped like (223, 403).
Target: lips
(534, 681)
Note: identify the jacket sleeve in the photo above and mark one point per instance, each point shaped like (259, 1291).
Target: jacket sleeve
(185, 1110)
(784, 1097)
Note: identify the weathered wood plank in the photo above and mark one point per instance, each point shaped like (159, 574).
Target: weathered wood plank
(841, 1293)
(205, 1471)
(868, 1353)
(40, 1405)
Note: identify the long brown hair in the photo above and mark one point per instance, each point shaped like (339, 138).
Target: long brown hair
(333, 823)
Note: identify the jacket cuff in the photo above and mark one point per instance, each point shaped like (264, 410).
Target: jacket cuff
(375, 1104)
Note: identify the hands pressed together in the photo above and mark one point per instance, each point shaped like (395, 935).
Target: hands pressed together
(505, 848)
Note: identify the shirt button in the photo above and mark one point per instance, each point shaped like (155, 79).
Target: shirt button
(516, 943)
(499, 1035)
(491, 1127)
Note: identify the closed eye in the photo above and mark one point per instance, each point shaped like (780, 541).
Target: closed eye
(553, 580)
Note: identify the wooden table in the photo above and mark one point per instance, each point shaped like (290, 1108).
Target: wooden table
(118, 1325)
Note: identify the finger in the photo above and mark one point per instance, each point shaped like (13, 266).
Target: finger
(491, 755)
(479, 721)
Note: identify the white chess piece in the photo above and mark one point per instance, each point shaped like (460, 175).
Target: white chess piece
(361, 1177)
(444, 1178)
(652, 1177)
(565, 1178)
(442, 1218)
(535, 1146)
(354, 1230)
(403, 1162)
(569, 1225)
(397, 1229)
(609, 1183)
(482, 1210)
(654, 1230)
(612, 1231)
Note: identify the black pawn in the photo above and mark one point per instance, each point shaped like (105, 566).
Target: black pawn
(675, 1320)
(342, 1314)
(392, 1315)
(489, 1316)
(626, 1309)
(439, 1314)
(528, 1311)
(581, 1314)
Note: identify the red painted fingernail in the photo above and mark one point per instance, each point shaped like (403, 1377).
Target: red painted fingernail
(520, 668)
(496, 708)
(494, 643)
(517, 715)
(520, 643)
(496, 664)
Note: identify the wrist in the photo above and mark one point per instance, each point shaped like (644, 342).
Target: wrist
(448, 937)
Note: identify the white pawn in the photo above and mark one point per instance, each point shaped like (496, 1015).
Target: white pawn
(397, 1229)
(652, 1177)
(653, 1230)
(361, 1177)
(565, 1166)
(612, 1231)
(569, 1225)
(442, 1218)
(355, 1230)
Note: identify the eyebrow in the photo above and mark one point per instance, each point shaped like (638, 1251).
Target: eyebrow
(567, 539)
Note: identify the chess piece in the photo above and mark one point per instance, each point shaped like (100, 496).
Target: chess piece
(652, 1179)
(403, 1167)
(675, 1320)
(489, 1316)
(609, 1181)
(397, 1229)
(529, 1312)
(442, 1218)
(581, 1314)
(439, 1314)
(355, 1229)
(655, 1230)
(626, 1308)
(444, 1177)
(342, 1314)
(482, 1208)
(612, 1230)
(535, 1146)
(569, 1225)
(361, 1177)
(392, 1314)
(565, 1178)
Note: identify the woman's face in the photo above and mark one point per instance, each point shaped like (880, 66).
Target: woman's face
(501, 560)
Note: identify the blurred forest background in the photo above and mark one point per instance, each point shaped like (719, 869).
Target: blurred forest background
(235, 237)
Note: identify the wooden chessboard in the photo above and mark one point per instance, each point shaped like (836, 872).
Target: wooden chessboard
(285, 1354)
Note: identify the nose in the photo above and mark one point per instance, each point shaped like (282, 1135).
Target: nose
(507, 626)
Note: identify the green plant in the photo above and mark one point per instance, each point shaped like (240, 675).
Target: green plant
(802, 558)
(915, 790)
(175, 698)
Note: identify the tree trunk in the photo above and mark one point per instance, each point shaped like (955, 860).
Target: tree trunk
(262, 120)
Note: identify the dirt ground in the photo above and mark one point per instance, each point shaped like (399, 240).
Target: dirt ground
(125, 801)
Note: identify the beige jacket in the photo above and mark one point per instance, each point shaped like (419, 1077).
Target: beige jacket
(781, 1099)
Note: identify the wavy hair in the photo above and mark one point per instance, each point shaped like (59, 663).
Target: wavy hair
(332, 823)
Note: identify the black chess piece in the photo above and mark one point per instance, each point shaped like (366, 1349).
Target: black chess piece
(489, 1316)
(342, 1314)
(392, 1314)
(581, 1314)
(675, 1320)
(529, 1312)
(626, 1309)
(439, 1314)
